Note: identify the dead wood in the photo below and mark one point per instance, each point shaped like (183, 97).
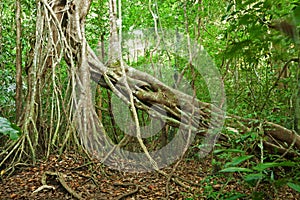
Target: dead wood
(149, 94)
(60, 176)
(149, 91)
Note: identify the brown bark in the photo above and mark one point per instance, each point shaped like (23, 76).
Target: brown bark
(149, 94)
(148, 91)
(19, 106)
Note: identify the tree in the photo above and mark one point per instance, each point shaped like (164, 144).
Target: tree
(61, 40)
(19, 61)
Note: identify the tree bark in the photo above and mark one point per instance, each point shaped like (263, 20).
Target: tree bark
(148, 91)
(162, 101)
(149, 94)
(19, 85)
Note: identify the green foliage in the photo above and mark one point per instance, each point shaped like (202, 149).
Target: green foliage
(97, 24)
(8, 50)
(236, 196)
(241, 161)
(254, 55)
(9, 129)
(237, 34)
(294, 186)
(263, 166)
(250, 178)
(236, 169)
(252, 173)
(228, 150)
(258, 170)
(7, 90)
(238, 160)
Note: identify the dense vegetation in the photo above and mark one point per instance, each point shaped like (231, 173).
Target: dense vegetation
(254, 45)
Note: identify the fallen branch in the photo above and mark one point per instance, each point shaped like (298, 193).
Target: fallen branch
(62, 181)
(42, 188)
(147, 90)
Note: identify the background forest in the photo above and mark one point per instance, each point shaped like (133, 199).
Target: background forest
(253, 44)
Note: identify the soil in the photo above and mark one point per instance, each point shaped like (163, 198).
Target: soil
(72, 176)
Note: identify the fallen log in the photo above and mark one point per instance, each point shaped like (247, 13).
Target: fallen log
(176, 108)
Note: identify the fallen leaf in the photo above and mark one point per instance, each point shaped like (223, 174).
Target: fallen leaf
(13, 195)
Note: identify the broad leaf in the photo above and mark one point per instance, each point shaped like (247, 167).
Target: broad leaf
(238, 160)
(7, 128)
(253, 177)
(236, 169)
(294, 186)
(263, 166)
(228, 150)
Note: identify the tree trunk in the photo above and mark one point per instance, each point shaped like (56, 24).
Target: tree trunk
(19, 85)
(297, 104)
(147, 93)
(170, 105)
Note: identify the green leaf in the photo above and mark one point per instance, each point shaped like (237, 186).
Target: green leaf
(228, 150)
(7, 128)
(237, 160)
(263, 166)
(229, 7)
(294, 186)
(257, 5)
(245, 20)
(297, 15)
(236, 169)
(14, 135)
(253, 177)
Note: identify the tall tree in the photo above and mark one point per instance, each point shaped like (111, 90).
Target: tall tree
(19, 84)
(60, 36)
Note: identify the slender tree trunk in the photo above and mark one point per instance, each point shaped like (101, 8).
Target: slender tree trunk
(297, 104)
(19, 86)
(1, 7)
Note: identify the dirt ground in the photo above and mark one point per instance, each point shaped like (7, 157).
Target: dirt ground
(72, 176)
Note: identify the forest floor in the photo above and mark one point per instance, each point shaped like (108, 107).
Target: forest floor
(71, 175)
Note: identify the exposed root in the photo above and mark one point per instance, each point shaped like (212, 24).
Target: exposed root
(60, 177)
